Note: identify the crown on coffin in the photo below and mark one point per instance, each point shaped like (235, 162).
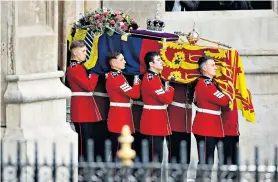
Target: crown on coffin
(155, 25)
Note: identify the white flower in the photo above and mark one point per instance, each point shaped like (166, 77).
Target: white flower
(121, 24)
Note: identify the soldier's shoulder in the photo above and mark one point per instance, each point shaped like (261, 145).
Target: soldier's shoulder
(72, 68)
(204, 82)
(150, 76)
(74, 64)
(208, 82)
(114, 74)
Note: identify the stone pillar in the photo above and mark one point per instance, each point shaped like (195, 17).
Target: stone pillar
(3, 72)
(35, 97)
(67, 17)
(79, 9)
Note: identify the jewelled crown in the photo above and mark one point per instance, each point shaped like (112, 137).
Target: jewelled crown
(155, 25)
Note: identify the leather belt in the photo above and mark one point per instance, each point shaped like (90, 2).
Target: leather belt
(155, 107)
(208, 111)
(119, 104)
(182, 105)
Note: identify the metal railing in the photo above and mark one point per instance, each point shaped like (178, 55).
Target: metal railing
(96, 169)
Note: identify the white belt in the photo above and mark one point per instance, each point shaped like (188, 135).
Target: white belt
(119, 104)
(208, 111)
(182, 105)
(155, 107)
(82, 94)
(89, 94)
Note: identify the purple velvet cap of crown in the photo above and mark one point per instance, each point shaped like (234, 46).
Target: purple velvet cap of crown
(146, 33)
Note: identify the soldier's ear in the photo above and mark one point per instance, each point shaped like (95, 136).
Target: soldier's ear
(204, 67)
(112, 62)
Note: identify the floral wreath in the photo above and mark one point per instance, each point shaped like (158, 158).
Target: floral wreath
(106, 20)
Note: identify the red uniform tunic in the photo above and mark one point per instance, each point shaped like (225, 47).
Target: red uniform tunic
(230, 121)
(120, 92)
(83, 107)
(209, 100)
(154, 119)
(101, 97)
(180, 110)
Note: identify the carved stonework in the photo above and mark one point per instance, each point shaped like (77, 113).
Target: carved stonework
(36, 8)
(32, 35)
(36, 13)
(9, 19)
(33, 13)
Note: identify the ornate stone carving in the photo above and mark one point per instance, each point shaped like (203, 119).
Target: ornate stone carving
(36, 9)
(36, 13)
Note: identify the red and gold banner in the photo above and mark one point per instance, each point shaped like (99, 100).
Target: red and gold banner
(181, 62)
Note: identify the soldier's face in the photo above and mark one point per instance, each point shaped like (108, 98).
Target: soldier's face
(211, 68)
(80, 53)
(157, 63)
(119, 63)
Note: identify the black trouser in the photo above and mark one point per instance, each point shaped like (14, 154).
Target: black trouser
(115, 146)
(155, 145)
(230, 144)
(175, 146)
(97, 131)
(137, 145)
(206, 154)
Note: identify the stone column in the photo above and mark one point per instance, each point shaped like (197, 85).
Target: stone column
(67, 17)
(2, 80)
(35, 97)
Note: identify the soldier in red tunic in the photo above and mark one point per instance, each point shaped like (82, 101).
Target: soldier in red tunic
(180, 116)
(120, 93)
(207, 125)
(83, 110)
(154, 120)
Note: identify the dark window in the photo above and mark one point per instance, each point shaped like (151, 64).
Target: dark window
(195, 5)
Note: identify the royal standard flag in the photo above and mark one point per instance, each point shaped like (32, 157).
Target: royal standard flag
(181, 65)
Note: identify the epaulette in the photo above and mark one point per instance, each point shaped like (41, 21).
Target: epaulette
(208, 81)
(150, 76)
(73, 64)
(114, 74)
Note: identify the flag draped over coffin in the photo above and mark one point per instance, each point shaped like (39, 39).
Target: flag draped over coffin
(180, 61)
